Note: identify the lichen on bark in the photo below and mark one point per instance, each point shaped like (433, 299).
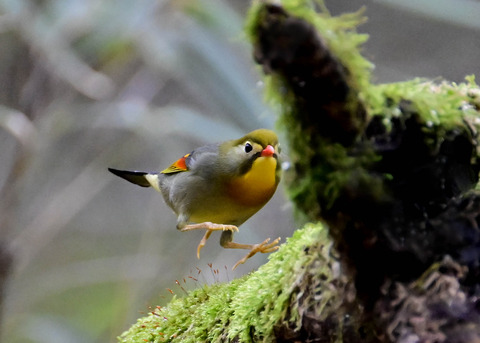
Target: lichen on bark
(386, 172)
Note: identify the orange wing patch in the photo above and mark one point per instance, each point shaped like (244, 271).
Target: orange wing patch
(178, 166)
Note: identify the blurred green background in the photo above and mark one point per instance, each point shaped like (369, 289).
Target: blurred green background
(88, 84)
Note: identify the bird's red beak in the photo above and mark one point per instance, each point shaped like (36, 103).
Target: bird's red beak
(268, 151)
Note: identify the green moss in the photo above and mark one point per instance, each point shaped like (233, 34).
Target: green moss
(438, 103)
(246, 309)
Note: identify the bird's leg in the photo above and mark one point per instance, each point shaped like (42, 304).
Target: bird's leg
(210, 227)
(264, 247)
(203, 241)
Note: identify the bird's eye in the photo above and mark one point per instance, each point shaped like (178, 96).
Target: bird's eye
(248, 147)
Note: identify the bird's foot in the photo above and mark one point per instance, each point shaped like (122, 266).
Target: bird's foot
(264, 247)
(209, 227)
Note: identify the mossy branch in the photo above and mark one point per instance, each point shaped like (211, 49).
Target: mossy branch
(252, 308)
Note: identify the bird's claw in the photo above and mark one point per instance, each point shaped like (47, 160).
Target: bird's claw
(264, 247)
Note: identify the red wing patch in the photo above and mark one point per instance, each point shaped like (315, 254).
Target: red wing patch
(178, 166)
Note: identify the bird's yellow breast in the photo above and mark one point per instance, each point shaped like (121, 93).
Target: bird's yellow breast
(257, 186)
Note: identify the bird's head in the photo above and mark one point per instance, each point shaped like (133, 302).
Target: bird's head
(240, 155)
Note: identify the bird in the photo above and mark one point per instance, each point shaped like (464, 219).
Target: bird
(217, 187)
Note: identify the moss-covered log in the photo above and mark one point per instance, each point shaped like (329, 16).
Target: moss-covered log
(388, 171)
(289, 293)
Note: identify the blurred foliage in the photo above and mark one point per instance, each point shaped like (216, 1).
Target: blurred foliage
(89, 84)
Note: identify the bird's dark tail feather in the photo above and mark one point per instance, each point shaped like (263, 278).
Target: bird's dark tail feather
(135, 177)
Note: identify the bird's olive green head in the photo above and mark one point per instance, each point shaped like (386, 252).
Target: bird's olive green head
(238, 155)
(263, 137)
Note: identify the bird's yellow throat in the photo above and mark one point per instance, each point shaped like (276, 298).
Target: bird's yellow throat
(257, 186)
